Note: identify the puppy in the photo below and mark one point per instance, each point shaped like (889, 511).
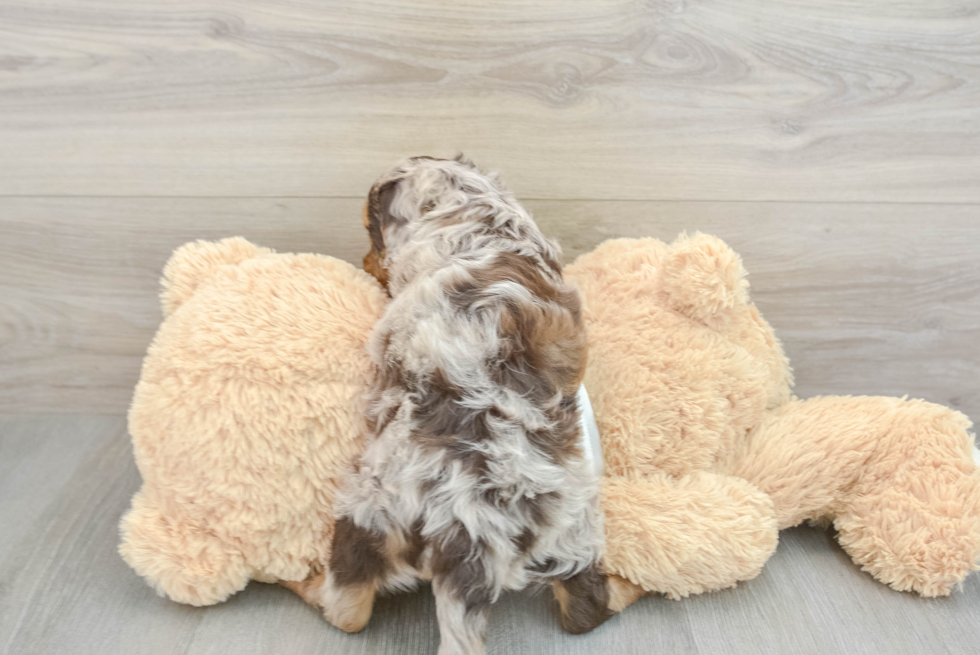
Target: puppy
(472, 474)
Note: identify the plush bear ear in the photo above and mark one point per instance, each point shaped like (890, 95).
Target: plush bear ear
(704, 278)
(195, 262)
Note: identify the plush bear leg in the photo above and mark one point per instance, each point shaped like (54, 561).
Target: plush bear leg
(921, 534)
(179, 558)
(914, 521)
(896, 476)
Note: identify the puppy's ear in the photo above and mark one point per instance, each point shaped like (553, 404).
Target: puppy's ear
(379, 216)
(380, 221)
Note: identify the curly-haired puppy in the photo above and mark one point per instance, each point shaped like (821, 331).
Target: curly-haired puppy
(472, 475)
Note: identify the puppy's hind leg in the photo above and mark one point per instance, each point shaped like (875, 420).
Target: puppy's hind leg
(584, 600)
(358, 564)
(308, 589)
(462, 615)
(348, 607)
(463, 590)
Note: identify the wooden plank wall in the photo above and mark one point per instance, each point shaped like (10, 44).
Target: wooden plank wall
(835, 145)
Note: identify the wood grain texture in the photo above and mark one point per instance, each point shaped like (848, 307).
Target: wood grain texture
(834, 144)
(64, 589)
(867, 298)
(844, 100)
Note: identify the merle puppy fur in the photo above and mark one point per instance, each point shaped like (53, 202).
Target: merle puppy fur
(472, 474)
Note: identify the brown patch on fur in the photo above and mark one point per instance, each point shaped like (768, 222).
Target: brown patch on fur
(551, 262)
(392, 375)
(548, 337)
(544, 340)
(517, 373)
(377, 218)
(372, 266)
(524, 540)
(358, 560)
(440, 383)
(444, 423)
(414, 545)
(543, 352)
(357, 555)
(524, 271)
(459, 444)
(372, 260)
(557, 346)
(561, 438)
(457, 560)
(584, 600)
(538, 508)
(545, 568)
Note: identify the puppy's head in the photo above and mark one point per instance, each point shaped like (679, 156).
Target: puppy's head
(405, 197)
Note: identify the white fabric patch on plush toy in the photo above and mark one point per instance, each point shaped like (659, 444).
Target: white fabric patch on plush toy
(591, 445)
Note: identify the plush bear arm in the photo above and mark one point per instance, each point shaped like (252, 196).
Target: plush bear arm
(687, 535)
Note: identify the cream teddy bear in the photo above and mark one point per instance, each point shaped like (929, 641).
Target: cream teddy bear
(248, 411)
(691, 392)
(249, 406)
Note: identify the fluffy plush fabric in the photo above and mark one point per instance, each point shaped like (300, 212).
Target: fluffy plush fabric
(249, 409)
(708, 455)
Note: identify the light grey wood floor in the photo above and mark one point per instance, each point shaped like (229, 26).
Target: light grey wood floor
(834, 144)
(64, 481)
